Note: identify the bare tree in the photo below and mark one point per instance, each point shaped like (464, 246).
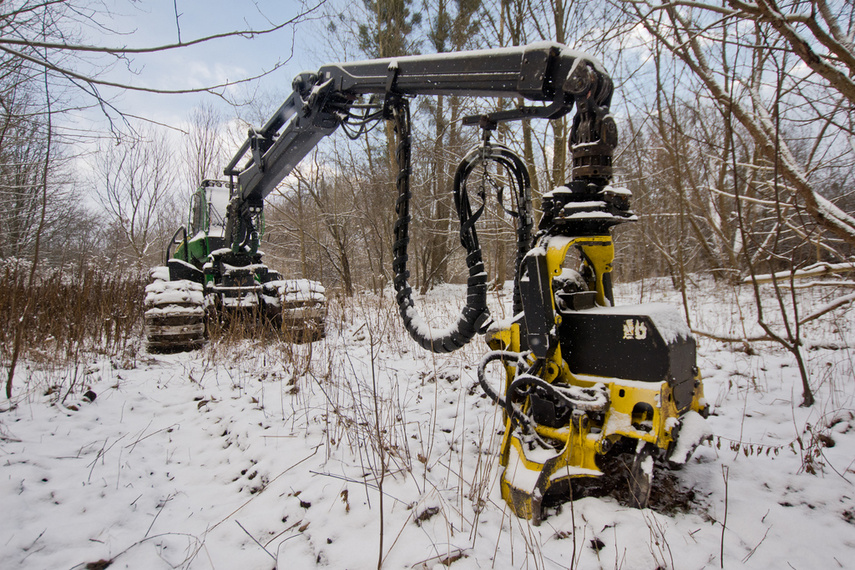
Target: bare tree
(203, 151)
(134, 181)
(63, 56)
(758, 134)
(783, 72)
(335, 210)
(453, 26)
(41, 47)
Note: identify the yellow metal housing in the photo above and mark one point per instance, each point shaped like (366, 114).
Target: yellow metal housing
(640, 411)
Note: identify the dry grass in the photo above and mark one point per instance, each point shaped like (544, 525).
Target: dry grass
(89, 310)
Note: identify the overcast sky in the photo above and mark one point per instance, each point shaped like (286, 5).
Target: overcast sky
(153, 22)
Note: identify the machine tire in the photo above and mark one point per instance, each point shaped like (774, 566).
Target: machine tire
(303, 310)
(174, 313)
(639, 477)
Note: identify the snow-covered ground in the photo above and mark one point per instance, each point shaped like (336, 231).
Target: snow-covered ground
(363, 449)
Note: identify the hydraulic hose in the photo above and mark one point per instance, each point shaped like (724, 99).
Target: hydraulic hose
(474, 314)
(514, 165)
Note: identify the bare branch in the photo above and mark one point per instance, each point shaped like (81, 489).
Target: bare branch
(124, 50)
(93, 81)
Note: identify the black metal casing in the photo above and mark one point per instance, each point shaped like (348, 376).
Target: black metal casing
(624, 342)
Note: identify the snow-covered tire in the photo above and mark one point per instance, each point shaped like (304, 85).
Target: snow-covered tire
(690, 433)
(302, 309)
(174, 313)
(639, 476)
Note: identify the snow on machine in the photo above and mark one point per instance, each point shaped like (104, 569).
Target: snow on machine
(590, 391)
(208, 277)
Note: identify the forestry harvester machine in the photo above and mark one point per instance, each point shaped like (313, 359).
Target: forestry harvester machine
(216, 274)
(588, 389)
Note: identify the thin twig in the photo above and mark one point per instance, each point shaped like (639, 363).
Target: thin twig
(725, 472)
(255, 541)
(753, 550)
(159, 510)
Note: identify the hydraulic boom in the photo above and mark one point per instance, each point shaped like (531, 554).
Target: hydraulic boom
(548, 73)
(591, 391)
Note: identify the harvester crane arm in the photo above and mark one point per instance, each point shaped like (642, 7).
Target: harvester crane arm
(555, 75)
(591, 389)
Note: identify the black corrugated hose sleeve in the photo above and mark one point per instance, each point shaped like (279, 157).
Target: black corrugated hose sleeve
(475, 312)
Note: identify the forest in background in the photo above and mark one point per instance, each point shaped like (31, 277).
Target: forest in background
(737, 140)
(360, 449)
